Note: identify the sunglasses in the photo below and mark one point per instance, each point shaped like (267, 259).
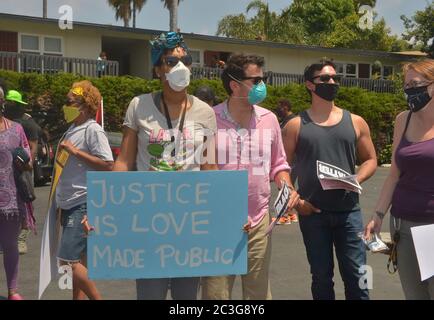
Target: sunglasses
(72, 103)
(172, 61)
(327, 77)
(256, 80)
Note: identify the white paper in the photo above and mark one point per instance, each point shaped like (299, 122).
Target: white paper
(332, 177)
(423, 238)
(280, 205)
(48, 261)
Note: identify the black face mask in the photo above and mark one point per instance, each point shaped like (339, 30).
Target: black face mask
(327, 91)
(13, 111)
(417, 98)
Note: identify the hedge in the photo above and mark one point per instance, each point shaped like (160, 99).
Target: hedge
(48, 93)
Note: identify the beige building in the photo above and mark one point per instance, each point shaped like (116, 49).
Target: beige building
(76, 51)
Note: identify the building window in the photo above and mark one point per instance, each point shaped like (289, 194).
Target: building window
(215, 59)
(376, 71)
(196, 56)
(30, 43)
(38, 45)
(52, 45)
(351, 70)
(340, 68)
(387, 71)
(44, 45)
(346, 70)
(381, 72)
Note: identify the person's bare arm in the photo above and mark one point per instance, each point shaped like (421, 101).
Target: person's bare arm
(94, 162)
(290, 139)
(385, 198)
(33, 144)
(365, 149)
(127, 157)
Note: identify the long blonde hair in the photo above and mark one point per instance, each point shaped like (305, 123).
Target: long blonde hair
(424, 67)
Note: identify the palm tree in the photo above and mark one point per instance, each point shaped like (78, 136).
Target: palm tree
(127, 8)
(123, 10)
(137, 6)
(273, 26)
(172, 6)
(264, 13)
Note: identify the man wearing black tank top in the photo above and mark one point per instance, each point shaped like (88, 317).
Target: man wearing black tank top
(330, 218)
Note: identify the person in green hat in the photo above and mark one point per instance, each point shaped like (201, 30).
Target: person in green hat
(15, 96)
(15, 110)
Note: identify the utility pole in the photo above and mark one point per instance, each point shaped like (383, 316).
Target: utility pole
(44, 9)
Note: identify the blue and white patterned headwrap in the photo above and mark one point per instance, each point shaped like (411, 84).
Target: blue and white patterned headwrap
(167, 40)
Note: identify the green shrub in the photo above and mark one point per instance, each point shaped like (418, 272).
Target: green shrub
(385, 155)
(48, 92)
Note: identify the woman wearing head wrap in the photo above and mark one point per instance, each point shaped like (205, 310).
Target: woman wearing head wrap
(89, 150)
(162, 130)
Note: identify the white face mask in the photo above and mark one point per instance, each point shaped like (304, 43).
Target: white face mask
(179, 77)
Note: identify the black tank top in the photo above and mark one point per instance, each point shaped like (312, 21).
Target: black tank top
(335, 145)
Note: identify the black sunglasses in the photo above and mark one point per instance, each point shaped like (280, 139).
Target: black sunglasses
(72, 102)
(327, 77)
(256, 80)
(172, 61)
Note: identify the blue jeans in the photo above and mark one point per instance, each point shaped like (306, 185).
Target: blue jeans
(320, 232)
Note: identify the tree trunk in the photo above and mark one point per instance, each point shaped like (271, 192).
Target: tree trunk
(134, 14)
(44, 9)
(173, 9)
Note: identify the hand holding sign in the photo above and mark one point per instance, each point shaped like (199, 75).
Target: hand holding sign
(86, 226)
(280, 205)
(248, 225)
(332, 177)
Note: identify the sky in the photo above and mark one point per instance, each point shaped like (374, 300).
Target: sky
(196, 16)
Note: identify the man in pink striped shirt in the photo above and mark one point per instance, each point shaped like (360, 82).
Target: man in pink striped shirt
(249, 139)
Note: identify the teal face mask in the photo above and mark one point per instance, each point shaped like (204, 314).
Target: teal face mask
(257, 93)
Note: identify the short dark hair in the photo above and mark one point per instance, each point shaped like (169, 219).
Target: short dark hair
(236, 66)
(309, 72)
(205, 93)
(286, 103)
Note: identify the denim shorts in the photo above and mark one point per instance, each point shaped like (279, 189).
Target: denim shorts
(73, 243)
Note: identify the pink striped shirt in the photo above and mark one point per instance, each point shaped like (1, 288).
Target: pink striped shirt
(258, 149)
